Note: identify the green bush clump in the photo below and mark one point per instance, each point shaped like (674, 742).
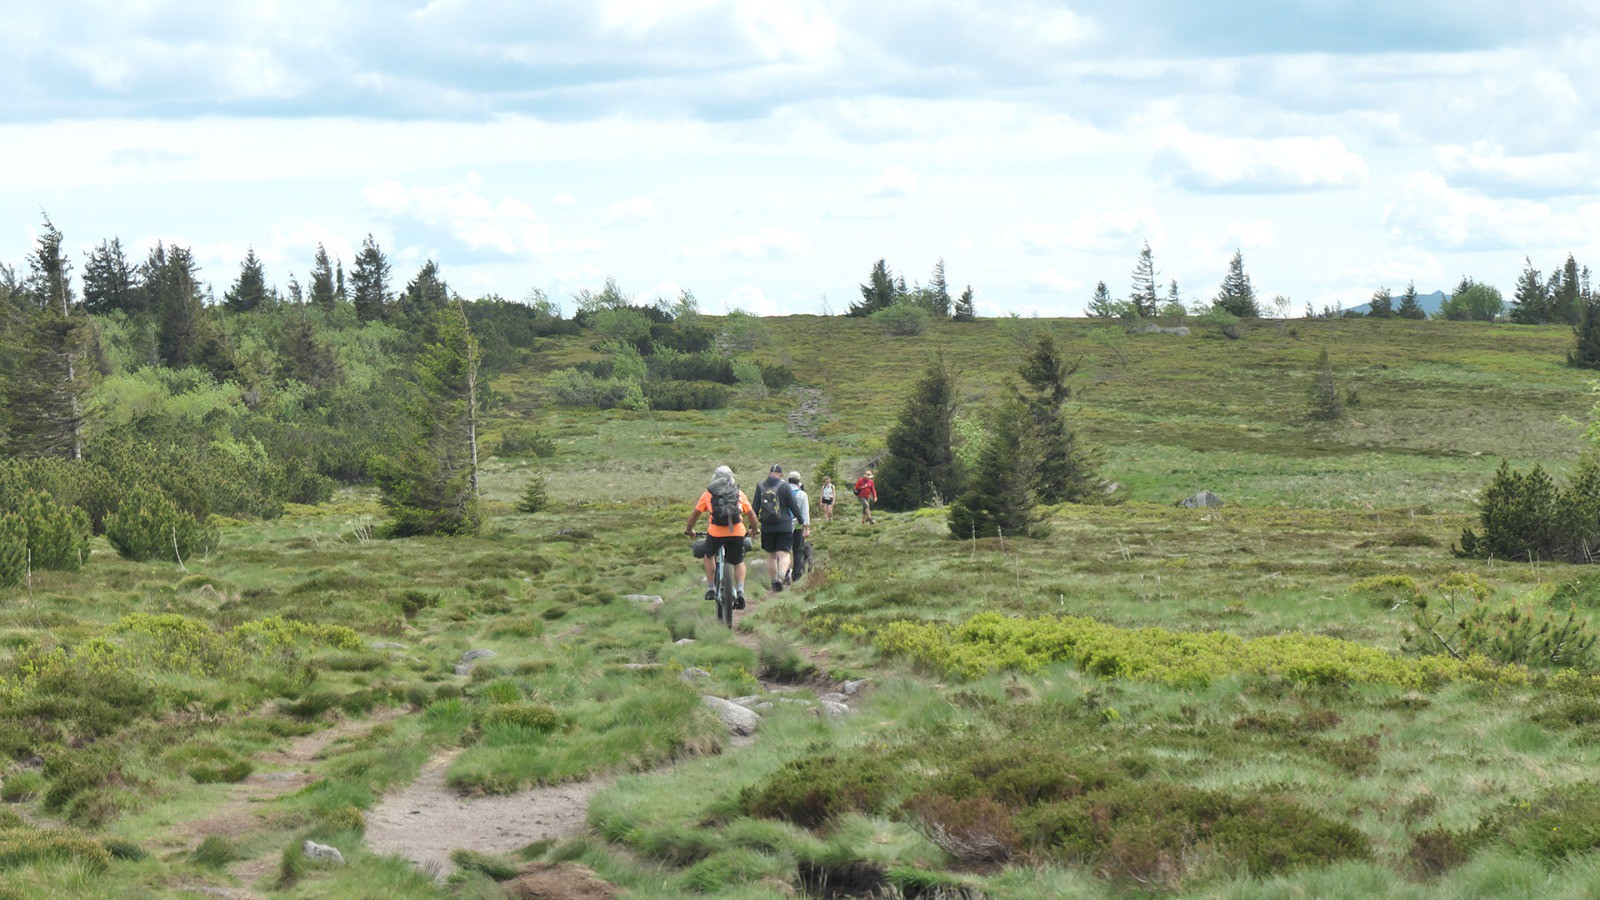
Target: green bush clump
(775, 376)
(810, 792)
(58, 535)
(210, 764)
(537, 717)
(215, 852)
(148, 525)
(677, 396)
(13, 549)
(1527, 516)
(491, 866)
(711, 367)
(571, 387)
(21, 786)
(990, 642)
(22, 845)
(522, 440)
(901, 319)
(1513, 634)
(1557, 826)
(76, 483)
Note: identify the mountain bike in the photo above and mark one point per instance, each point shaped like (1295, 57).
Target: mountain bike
(722, 583)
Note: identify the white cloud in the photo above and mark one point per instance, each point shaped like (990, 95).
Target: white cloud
(1208, 163)
(1431, 211)
(638, 210)
(770, 243)
(1259, 234)
(1051, 281)
(507, 226)
(1489, 167)
(751, 299)
(896, 181)
(1105, 232)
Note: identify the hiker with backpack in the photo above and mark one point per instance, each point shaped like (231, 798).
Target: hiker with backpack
(800, 554)
(776, 511)
(729, 509)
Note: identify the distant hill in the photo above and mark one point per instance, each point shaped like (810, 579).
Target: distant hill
(1430, 303)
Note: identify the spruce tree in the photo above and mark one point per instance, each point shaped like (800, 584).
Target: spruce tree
(45, 357)
(430, 485)
(964, 310)
(111, 282)
(1102, 305)
(920, 462)
(1530, 303)
(369, 282)
(304, 357)
(1382, 304)
(880, 292)
(1566, 291)
(1586, 352)
(427, 294)
(323, 293)
(1326, 404)
(1409, 308)
(249, 291)
(1237, 295)
(1143, 296)
(1063, 470)
(185, 333)
(938, 292)
(1000, 497)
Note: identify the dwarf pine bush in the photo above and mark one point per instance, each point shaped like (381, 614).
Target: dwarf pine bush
(148, 525)
(58, 535)
(13, 549)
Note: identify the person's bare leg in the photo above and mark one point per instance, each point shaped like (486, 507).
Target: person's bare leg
(738, 578)
(711, 569)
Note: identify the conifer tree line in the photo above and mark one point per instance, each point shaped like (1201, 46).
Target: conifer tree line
(884, 289)
(136, 378)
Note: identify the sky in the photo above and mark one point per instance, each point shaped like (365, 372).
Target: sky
(763, 154)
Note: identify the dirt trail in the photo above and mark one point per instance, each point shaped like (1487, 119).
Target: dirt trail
(804, 420)
(424, 821)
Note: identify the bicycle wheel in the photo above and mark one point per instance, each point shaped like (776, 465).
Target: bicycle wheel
(725, 592)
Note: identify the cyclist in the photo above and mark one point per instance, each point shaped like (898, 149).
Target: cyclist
(729, 510)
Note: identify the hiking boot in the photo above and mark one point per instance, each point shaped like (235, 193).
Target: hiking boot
(788, 578)
(711, 593)
(738, 600)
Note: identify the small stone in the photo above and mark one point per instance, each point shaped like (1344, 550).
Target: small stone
(1201, 500)
(833, 710)
(475, 655)
(651, 599)
(322, 853)
(833, 698)
(684, 641)
(851, 688)
(694, 674)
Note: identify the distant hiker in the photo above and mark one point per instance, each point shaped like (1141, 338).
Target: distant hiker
(867, 492)
(776, 511)
(729, 509)
(826, 499)
(800, 555)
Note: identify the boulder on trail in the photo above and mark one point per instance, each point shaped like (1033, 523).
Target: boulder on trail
(1202, 500)
(322, 853)
(739, 720)
(833, 710)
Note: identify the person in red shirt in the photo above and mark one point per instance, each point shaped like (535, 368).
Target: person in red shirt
(726, 529)
(867, 493)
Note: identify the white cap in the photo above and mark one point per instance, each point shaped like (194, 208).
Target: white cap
(794, 476)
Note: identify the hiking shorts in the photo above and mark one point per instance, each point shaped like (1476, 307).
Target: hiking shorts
(777, 541)
(734, 545)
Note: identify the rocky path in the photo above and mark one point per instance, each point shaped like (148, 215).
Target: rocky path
(804, 421)
(426, 820)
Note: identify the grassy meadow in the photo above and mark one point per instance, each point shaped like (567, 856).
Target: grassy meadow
(1148, 701)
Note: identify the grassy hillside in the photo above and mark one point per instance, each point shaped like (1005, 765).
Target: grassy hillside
(1150, 700)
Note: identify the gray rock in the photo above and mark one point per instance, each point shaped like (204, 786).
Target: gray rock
(475, 655)
(684, 641)
(739, 720)
(693, 674)
(388, 645)
(834, 697)
(651, 599)
(638, 666)
(746, 702)
(852, 688)
(322, 853)
(1204, 499)
(833, 710)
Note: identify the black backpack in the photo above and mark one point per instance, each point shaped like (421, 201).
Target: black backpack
(724, 504)
(768, 508)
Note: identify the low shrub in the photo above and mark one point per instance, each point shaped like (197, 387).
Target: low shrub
(20, 787)
(491, 866)
(13, 549)
(1512, 634)
(535, 496)
(901, 319)
(571, 387)
(148, 525)
(215, 852)
(1562, 824)
(58, 535)
(811, 792)
(21, 845)
(677, 396)
(210, 764)
(1439, 850)
(522, 440)
(537, 717)
(1527, 516)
